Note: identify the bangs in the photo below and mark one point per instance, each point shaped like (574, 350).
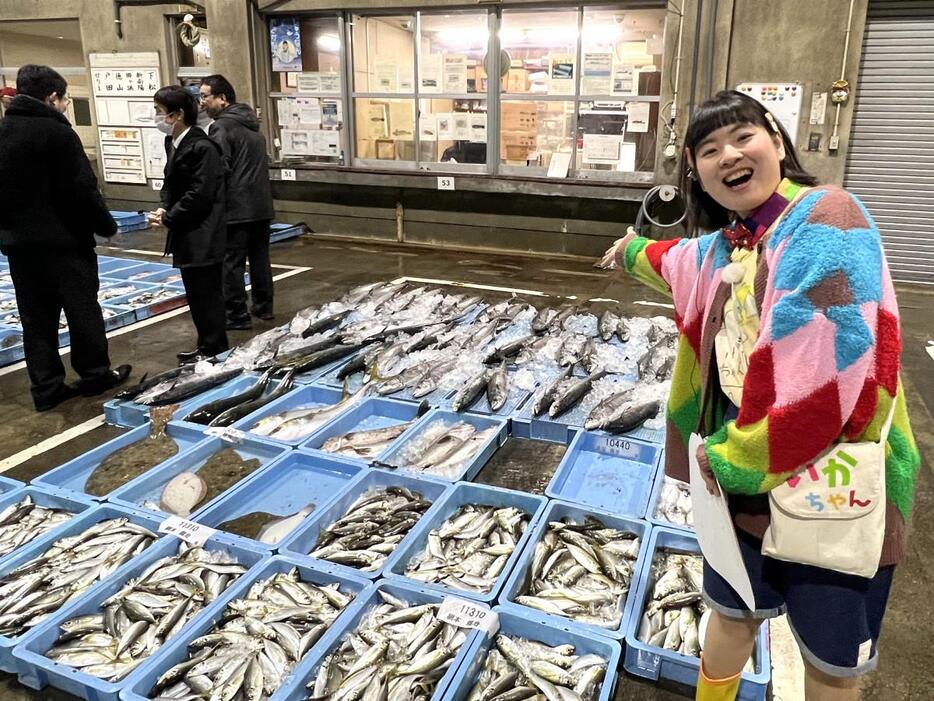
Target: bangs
(723, 110)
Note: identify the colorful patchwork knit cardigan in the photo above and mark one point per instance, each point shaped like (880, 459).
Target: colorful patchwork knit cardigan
(825, 366)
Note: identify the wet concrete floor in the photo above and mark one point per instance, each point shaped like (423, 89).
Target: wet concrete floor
(907, 657)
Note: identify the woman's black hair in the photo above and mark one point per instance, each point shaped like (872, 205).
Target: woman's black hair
(724, 109)
(174, 98)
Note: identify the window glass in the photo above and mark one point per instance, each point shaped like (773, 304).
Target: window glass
(541, 48)
(531, 131)
(452, 131)
(453, 49)
(622, 51)
(384, 54)
(320, 41)
(385, 129)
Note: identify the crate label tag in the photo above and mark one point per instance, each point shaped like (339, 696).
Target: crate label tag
(617, 445)
(225, 433)
(468, 614)
(189, 531)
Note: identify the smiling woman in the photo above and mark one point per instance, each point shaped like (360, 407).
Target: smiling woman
(789, 349)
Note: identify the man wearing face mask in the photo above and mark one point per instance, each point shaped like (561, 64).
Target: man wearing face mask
(249, 201)
(50, 211)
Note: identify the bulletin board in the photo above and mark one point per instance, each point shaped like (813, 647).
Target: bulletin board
(123, 86)
(783, 100)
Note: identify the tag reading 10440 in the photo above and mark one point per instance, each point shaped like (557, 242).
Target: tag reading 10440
(614, 445)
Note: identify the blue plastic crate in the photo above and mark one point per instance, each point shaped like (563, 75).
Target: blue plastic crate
(166, 275)
(533, 627)
(74, 503)
(107, 264)
(295, 689)
(73, 475)
(556, 510)
(611, 473)
(149, 309)
(34, 550)
(38, 671)
(524, 425)
(301, 396)
(140, 682)
(285, 486)
(653, 501)
(370, 414)
(130, 221)
(132, 270)
(473, 466)
(8, 484)
(303, 539)
(234, 386)
(467, 493)
(283, 232)
(144, 491)
(656, 663)
(123, 316)
(14, 353)
(131, 414)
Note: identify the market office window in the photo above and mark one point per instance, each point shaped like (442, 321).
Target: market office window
(578, 95)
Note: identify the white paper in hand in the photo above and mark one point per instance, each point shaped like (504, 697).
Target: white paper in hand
(715, 532)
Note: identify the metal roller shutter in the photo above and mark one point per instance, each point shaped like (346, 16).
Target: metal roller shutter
(890, 164)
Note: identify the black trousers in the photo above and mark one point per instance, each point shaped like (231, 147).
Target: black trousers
(48, 283)
(206, 302)
(247, 240)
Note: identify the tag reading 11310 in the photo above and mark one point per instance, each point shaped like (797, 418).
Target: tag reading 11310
(189, 531)
(468, 614)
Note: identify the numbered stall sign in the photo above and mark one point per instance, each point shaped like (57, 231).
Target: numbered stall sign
(287, 173)
(445, 182)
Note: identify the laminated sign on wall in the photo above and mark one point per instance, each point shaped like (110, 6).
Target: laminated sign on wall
(123, 85)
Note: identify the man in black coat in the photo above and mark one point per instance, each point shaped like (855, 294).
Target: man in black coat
(249, 201)
(50, 209)
(193, 213)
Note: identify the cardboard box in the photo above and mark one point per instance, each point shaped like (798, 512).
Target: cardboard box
(517, 80)
(519, 116)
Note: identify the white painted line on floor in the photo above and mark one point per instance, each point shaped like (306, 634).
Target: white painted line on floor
(293, 270)
(665, 305)
(50, 443)
(472, 285)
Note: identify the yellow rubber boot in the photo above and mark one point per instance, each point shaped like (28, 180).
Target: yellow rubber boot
(716, 689)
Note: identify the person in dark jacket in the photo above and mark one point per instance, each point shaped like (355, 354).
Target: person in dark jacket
(193, 213)
(249, 201)
(50, 209)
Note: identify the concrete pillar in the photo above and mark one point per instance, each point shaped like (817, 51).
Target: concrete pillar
(229, 22)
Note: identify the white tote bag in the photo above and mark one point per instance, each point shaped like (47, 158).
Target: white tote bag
(832, 514)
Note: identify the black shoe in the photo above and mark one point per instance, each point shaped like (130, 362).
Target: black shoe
(62, 394)
(239, 324)
(262, 314)
(188, 356)
(112, 379)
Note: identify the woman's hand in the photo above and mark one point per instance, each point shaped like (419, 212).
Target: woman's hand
(709, 479)
(613, 258)
(155, 218)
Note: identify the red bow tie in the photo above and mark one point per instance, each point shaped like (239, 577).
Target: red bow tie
(739, 236)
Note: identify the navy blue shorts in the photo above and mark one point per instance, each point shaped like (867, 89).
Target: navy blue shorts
(835, 617)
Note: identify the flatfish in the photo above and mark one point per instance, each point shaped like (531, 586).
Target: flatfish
(133, 460)
(223, 470)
